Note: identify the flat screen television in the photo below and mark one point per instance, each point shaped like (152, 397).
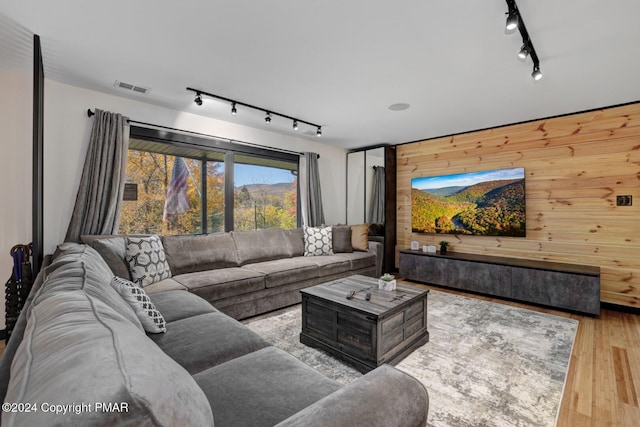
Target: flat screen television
(488, 203)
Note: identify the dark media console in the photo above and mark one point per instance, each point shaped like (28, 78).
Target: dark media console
(565, 286)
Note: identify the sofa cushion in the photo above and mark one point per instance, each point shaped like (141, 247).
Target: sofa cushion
(76, 349)
(147, 260)
(283, 271)
(360, 237)
(341, 239)
(213, 285)
(318, 241)
(188, 254)
(295, 241)
(200, 342)
(262, 388)
(360, 260)
(176, 305)
(260, 245)
(331, 264)
(150, 317)
(81, 268)
(112, 248)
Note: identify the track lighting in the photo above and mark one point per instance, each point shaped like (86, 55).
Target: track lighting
(536, 74)
(514, 20)
(267, 113)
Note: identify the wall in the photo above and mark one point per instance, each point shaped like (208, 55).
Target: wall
(66, 138)
(574, 166)
(15, 174)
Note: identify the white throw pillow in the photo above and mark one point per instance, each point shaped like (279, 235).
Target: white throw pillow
(151, 319)
(318, 241)
(147, 261)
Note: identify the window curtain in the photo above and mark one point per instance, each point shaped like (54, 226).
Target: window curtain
(376, 208)
(310, 193)
(99, 199)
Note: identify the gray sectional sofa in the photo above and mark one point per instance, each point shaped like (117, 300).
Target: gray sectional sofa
(80, 355)
(244, 273)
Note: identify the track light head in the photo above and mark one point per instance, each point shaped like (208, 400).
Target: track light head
(512, 18)
(536, 74)
(233, 108)
(198, 99)
(295, 125)
(319, 131)
(524, 51)
(267, 118)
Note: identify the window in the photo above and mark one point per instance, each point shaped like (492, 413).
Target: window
(182, 185)
(265, 193)
(154, 174)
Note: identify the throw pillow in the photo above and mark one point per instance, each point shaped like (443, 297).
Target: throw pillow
(360, 237)
(341, 239)
(318, 241)
(147, 261)
(151, 319)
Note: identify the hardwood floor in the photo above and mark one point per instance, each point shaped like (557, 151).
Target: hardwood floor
(603, 381)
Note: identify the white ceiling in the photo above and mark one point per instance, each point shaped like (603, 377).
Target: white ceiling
(340, 63)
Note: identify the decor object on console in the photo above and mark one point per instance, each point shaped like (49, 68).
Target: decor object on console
(443, 247)
(387, 282)
(415, 245)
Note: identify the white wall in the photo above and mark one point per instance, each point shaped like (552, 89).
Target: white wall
(66, 137)
(16, 143)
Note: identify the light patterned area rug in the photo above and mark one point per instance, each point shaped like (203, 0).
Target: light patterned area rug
(486, 364)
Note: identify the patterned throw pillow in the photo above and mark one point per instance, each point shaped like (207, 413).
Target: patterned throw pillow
(149, 316)
(147, 261)
(318, 241)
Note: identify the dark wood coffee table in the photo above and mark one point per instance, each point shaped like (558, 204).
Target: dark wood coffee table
(364, 333)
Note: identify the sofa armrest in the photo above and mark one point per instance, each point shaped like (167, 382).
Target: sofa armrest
(384, 397)
(378, 249)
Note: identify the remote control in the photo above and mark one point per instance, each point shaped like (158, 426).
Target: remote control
(350, 294)
(367, 296)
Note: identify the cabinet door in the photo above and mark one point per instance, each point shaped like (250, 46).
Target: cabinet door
(557, 289)
(423, 268)
(490, 279)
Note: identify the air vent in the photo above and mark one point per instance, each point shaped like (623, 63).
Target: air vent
(129, 86)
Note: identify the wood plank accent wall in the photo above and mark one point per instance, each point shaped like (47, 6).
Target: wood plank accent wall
(574, 168)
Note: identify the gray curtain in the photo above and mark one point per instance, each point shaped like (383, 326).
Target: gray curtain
(99, 199)
(310, 193)
(376, 208)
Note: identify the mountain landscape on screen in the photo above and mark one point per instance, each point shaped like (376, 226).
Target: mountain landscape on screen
(489, 203)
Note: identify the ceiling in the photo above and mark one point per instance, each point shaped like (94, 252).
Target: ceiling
(340, 64)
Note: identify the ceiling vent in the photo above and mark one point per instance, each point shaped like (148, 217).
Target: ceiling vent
(134, 88)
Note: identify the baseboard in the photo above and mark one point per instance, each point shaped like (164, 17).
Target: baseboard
(622, 308)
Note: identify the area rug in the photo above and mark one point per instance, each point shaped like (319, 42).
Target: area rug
(486, 364)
